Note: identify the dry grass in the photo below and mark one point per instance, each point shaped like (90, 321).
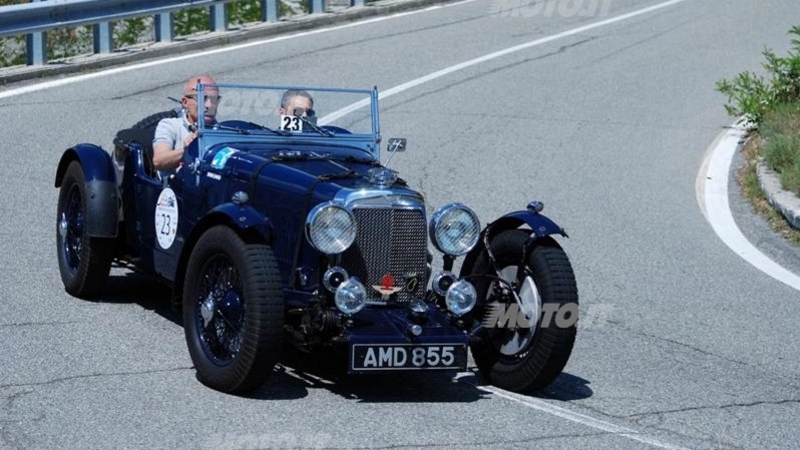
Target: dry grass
(750, 190)
(781, 151)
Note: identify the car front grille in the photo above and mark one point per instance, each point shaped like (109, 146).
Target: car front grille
(390, 250)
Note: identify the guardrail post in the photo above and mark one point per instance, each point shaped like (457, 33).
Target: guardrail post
(102, 37)
(316, 6)
(164, 27)
(36, 47)
(218, 17)
(269, 10)
(356, 2)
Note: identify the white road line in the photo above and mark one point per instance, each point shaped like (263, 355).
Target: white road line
(582, 419)
(498, 54)
(712, 181)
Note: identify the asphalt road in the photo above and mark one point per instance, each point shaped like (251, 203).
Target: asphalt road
(607, 126)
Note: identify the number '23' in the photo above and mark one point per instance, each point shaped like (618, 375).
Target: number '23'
(291, 123)
(166, 222)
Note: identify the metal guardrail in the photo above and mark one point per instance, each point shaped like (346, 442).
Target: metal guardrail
(36, 18)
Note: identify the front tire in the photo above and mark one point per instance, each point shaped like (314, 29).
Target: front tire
(523, 359)
(84, 262)
(232, 311)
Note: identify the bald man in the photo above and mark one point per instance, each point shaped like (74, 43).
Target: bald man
(174, 134)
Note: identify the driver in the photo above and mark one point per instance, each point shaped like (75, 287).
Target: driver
(174, 134)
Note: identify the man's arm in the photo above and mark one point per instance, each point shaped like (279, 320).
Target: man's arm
(167, 147)
(165, 157)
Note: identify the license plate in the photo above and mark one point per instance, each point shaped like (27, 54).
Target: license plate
(365, 357)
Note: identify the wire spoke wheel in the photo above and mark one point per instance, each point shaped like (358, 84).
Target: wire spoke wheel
(232, 310)
(524, 352)
(72, 223)
(221, 310)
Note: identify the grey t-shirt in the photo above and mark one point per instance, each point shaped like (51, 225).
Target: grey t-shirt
(171, 131)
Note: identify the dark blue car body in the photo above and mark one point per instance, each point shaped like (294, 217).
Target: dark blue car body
(274, 190)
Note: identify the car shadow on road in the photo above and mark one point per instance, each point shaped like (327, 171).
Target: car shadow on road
(132, 287)
(566, 387)
(298, 373)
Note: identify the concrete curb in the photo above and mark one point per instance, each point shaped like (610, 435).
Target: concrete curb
(785, 202)
(210, 40)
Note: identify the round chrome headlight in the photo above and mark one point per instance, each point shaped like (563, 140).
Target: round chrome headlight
(461, 297)
(331, 228)
(454, 229)
(351, 296)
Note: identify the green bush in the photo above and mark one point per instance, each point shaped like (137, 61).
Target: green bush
(130, 32)
(8, 55)
(68, 42)
(61, 42)
(752, 96)
(190, 21)
(782, 119)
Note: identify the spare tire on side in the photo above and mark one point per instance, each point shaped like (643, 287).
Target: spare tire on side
(143, 132)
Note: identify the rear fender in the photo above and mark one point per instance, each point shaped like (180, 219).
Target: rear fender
(102, 195)
(248, 223)
(540, 225)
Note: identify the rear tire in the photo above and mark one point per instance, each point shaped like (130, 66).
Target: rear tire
(232, 311)
(84, 262)
(526, 359)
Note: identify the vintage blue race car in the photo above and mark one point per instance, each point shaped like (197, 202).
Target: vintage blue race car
(288, 228)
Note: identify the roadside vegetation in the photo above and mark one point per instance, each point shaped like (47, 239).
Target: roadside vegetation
(67, 42)
(770, 106)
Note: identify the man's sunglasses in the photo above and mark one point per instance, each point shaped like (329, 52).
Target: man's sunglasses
(211, 98)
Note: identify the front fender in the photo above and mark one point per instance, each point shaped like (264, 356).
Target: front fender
(540, 225)
(102, 195)
(250, 224)
(245, 218)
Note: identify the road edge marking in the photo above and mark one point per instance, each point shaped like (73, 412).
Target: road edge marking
(583, 419)
(712, 181)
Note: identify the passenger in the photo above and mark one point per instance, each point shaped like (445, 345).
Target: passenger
(297, 102)
(174, 134)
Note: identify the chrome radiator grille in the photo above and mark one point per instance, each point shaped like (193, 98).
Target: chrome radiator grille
(389, 242)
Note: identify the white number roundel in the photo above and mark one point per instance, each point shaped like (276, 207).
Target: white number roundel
(166, 218)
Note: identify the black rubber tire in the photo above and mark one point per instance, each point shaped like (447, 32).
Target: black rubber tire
(143, 132)
(544, 358)
(84, 262)
(254, 280)
(152, 120)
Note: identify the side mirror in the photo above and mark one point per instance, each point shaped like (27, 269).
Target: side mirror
(396, 145)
